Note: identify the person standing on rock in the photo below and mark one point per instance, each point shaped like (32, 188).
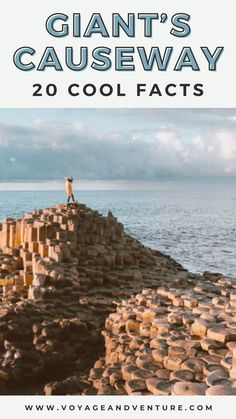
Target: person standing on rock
(69, 190)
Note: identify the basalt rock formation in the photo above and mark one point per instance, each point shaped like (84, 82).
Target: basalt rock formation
(63, 270)
(71, 279)
(177, 340)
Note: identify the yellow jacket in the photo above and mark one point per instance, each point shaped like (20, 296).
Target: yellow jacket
(69, 190)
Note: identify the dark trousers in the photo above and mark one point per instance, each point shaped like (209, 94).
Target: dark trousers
(73, 199)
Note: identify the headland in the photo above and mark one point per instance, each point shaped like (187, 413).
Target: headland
(87, 309)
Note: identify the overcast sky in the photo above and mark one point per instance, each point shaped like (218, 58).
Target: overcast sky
(116, 144)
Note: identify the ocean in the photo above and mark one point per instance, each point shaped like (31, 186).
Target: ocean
(192, 222)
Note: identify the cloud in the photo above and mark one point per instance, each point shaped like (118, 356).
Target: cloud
(157, 144)
(185, 118)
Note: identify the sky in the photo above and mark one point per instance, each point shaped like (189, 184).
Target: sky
(117, 144)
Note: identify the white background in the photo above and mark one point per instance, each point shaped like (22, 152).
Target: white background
(223, 406)
(212, 23)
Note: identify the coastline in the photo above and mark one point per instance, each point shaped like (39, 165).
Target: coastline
(193, 224)
(66, 270)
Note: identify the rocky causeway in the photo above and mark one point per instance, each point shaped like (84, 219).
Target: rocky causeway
(86, 309)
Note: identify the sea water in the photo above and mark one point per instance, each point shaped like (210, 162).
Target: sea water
(195, 224)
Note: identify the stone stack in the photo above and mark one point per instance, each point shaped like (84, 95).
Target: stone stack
(62, 271)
